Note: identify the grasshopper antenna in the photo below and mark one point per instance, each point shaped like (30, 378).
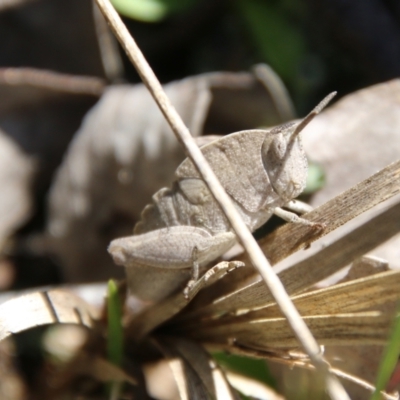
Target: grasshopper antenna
(306, 120)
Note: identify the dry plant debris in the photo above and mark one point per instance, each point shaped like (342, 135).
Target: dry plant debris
(229, 308)
(344, 313)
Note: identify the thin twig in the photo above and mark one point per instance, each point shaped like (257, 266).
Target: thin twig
(41, 78)
(108, 47)
(257, 257)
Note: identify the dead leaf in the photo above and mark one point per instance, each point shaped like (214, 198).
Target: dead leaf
(43, 308)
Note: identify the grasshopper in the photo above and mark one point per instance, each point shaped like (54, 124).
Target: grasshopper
(184, 229)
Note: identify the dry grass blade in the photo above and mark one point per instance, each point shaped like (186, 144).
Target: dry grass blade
(353, 296)
(369, 327)
(334, 314)
(356, 295)
(349, 297)
(290, 237)
(244, 235)
(42, 308)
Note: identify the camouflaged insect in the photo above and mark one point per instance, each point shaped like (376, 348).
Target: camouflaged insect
(184, 228)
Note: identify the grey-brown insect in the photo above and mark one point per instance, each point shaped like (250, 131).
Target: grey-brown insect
(184, 228)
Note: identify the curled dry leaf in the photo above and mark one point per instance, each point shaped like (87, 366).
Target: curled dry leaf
(44, 308)
(91, 293)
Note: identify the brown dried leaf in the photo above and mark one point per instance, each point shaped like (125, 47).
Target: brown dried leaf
(357, 295)
(91, 293)
(336, 305)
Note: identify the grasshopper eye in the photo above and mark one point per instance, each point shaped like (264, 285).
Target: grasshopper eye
(279, 146)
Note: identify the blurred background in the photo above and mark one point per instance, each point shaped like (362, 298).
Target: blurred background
(314, 46)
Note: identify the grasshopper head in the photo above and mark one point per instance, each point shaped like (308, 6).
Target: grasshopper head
(285, 161)
(284, 158)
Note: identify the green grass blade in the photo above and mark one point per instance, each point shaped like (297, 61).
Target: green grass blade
(389, 359)
(115, 332)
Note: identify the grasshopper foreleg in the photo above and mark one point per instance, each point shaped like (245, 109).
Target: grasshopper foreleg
(298, 206)
(295, 219)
